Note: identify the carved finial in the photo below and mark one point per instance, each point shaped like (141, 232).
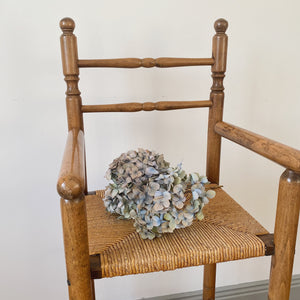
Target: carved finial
(67, 25)
(221, 25)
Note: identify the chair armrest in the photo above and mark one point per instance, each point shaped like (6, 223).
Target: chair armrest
(71, 181)
(279, 153)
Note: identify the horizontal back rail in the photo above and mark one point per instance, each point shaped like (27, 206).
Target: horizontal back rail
(162, 62)
(147, 106)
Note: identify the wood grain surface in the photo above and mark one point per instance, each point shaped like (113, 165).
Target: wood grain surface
(162, 62)
(146, 106)
(71, 181)
(213, 155)
(285, 234)
(284, 155)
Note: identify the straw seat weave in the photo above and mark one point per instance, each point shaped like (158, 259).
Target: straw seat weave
(227, 233)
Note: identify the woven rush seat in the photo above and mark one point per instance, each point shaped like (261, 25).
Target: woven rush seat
(227, 233)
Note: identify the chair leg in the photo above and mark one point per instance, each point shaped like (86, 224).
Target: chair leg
(285, 233)
(209, 282)
(93, 290)
(76, 249)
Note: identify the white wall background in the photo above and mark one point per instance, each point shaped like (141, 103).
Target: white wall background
(262, 95)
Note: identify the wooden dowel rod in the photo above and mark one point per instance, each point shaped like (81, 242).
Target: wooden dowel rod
(283, 155)
(147, 106)
(162, 62)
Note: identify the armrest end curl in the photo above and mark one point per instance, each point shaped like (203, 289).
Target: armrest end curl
(71, 181)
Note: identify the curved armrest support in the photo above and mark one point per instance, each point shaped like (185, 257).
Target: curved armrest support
(283, 155)
(71, 181)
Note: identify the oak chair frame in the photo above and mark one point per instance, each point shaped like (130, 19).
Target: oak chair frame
(72, 185)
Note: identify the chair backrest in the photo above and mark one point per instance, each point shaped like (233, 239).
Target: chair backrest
(75, 109)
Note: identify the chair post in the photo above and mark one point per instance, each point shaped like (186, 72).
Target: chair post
(219, 53)
(209, 282)
(69, 57)
(74, 211)
(285, 233)
(76, 249)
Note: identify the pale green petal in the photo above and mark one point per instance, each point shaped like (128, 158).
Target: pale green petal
(200, 216)
(167, 217)
(210, 194)
(114, 193)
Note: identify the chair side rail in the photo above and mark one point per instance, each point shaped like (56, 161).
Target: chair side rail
(281, 154)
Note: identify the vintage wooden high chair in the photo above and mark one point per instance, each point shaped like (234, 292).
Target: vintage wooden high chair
(97, 245)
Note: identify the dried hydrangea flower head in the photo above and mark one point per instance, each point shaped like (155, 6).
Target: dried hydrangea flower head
(146, 189)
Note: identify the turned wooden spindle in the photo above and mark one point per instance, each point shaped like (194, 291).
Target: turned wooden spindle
(219, 54)
(146, 106)
(161, 62)
(285, 233)
(69, 56)
(72, 182)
